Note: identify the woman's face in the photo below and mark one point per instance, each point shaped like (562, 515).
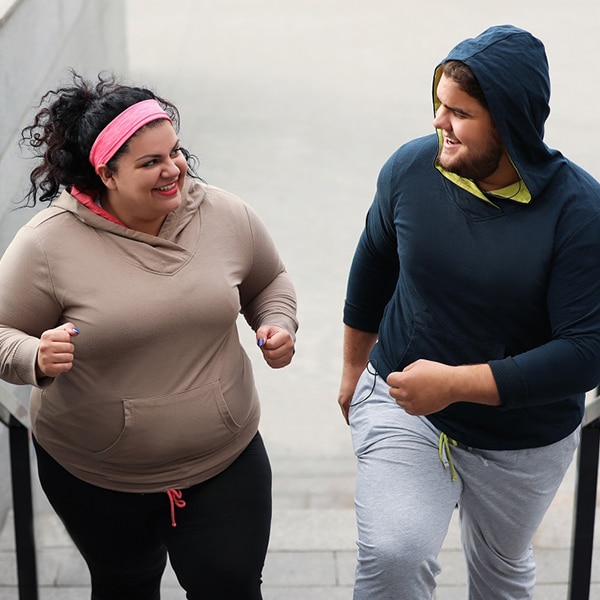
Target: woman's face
(147, 183)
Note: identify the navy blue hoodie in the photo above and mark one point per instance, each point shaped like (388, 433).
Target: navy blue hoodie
(443, 275)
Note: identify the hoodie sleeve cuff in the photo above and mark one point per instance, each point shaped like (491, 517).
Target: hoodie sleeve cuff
(511, 384)
(25, 362)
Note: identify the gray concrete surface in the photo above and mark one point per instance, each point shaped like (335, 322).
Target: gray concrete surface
(294, 106)
(38, 41)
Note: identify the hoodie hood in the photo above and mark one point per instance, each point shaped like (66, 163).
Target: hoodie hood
(166, 253)
(511, 67)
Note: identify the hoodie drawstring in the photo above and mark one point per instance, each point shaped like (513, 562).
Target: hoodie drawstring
(444, 454)
(176, 500)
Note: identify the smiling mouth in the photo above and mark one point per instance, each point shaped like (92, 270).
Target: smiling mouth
(451, 142)
(167, 191)
(166, 188)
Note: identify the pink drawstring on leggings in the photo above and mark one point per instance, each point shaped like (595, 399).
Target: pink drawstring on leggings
(176, 500)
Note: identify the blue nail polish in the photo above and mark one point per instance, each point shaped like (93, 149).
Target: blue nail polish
(75, 330)
(260, 342)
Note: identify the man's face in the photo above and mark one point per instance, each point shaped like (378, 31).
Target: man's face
(472, 146)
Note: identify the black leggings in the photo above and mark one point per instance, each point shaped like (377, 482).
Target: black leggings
(217, 549)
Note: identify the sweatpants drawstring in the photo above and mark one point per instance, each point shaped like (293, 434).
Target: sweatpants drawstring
(445, 455)
(176, 500)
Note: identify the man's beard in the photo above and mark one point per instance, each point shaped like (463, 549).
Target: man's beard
(477, 164)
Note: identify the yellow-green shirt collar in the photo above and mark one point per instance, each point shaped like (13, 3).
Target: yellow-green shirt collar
(517, 192)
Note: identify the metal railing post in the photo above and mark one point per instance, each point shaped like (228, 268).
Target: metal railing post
(23, 510)
(585, 506)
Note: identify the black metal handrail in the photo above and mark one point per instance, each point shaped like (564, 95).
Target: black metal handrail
(15, 416)
(23, 511)
(584, 515)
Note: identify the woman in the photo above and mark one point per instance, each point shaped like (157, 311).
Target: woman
(119, 303)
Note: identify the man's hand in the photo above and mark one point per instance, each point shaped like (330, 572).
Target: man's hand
(345, 395)
(425, 386)
(357, 345)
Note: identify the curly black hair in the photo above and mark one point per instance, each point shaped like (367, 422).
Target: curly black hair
(65, 128)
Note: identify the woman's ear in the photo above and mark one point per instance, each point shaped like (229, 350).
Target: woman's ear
(107, 176)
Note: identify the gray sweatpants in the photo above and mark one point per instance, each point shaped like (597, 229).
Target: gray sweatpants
(405, 497)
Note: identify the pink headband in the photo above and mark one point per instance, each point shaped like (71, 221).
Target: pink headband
(122, 127)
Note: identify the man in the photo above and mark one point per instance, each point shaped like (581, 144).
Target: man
(474, 302)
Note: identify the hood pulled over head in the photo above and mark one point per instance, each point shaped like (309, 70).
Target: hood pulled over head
(511, 68)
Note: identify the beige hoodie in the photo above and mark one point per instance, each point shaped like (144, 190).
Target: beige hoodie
(161, 394)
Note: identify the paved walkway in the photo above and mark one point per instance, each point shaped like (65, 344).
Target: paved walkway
(295, 106)
(312, 549)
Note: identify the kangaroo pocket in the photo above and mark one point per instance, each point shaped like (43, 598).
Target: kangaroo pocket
(162, 429)
(433, 344)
